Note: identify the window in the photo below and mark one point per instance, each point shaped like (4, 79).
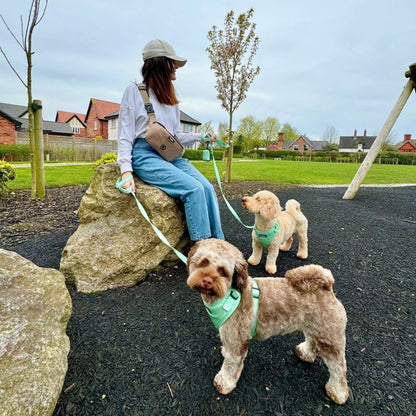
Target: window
(296, 147)
(113, 123)
(95, 125)
(187, 127)
(75, 130)
(305, 147)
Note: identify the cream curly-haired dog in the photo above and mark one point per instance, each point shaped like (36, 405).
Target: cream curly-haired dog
(274, 228)
(263, 307)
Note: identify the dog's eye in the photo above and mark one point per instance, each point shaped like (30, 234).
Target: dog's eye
(204, 263)
(222, 271)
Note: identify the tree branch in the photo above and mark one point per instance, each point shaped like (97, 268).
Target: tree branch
(8, 28)
(11, 66)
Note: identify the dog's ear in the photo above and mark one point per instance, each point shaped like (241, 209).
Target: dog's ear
(240, 276)
(191, 253)
(271, 208)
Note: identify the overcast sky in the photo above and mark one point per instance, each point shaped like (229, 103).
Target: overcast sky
(323, 63)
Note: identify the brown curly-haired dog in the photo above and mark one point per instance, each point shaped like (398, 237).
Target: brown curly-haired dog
(302, 301)
(266, 207)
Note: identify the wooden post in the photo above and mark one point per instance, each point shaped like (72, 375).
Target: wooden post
(38, 149)
(381, 137)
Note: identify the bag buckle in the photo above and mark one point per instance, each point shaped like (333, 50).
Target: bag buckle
(149, 108)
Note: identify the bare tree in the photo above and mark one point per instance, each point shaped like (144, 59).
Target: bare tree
(35, 16)
(330, 135)
(231, 52)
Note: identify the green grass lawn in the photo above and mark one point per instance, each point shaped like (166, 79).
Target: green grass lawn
(55, 176)
(310, 173)
(307, 173)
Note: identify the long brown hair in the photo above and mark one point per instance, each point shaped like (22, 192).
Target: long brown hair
(157, 74)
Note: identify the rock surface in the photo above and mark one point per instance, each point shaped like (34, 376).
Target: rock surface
(114, 245)
(35, 307)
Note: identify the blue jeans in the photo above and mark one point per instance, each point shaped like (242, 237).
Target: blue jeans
(180, 179)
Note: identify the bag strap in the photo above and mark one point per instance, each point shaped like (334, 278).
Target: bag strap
(147, 104)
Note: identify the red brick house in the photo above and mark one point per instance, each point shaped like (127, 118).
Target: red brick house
(408, 145)
(95, 119)
(8, 127)
(302, 144)
(75, 120)
(14, 118)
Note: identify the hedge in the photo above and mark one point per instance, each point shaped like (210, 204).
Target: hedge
(15, 152)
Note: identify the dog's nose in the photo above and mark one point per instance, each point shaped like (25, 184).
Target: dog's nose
(207, 282)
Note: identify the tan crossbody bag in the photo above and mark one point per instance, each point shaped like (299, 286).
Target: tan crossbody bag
(164, 142)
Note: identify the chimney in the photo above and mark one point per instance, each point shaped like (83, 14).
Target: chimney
(281, 140)
(365, 132)
(407, 137)
(355, 133)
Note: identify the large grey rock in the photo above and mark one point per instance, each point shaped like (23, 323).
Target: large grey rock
(114, 245)
(35, 307)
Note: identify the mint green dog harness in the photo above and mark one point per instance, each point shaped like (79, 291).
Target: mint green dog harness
(266, 237)
(223, 308)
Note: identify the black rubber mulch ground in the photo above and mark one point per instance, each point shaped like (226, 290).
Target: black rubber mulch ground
(151, 349)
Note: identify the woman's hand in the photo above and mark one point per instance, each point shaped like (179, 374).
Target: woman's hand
(128, 183)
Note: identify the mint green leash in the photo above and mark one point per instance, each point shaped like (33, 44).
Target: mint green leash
(119, 186)
(232, 210)
(223, 308)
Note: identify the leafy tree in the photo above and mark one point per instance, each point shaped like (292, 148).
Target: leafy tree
(271, 128)
(290, 132)
(330, 147)
(231, 52)
(251, 131)
(25, 42)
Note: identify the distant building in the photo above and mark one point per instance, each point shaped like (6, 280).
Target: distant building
(302, 144)
(408, 145)
(75, 120)
(95, 119)
(101, 121)
(352, 144)
(15, 118)
(188, 124)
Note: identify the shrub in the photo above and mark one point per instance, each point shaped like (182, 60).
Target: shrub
(192, 154)
(107, 158)
(15, 152)
(7, 173)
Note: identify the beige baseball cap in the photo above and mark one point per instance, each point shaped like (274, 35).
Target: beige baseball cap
(157, 48)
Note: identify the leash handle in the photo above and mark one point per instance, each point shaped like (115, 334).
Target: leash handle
(119, 185)
(120, 182)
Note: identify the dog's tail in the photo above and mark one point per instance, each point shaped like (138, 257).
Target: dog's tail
(293, 207)
(310, 278)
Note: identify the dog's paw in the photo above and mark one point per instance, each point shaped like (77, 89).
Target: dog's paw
(305, 353)
(338, 392)
(271, 268)
(223, 384)
(253, 260)
(302, 255)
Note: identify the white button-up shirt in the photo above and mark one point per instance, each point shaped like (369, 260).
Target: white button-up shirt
(133, 123)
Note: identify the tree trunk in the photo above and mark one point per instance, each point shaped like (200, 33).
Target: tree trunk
(38, 149)
(229, 168)
(381, 137)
